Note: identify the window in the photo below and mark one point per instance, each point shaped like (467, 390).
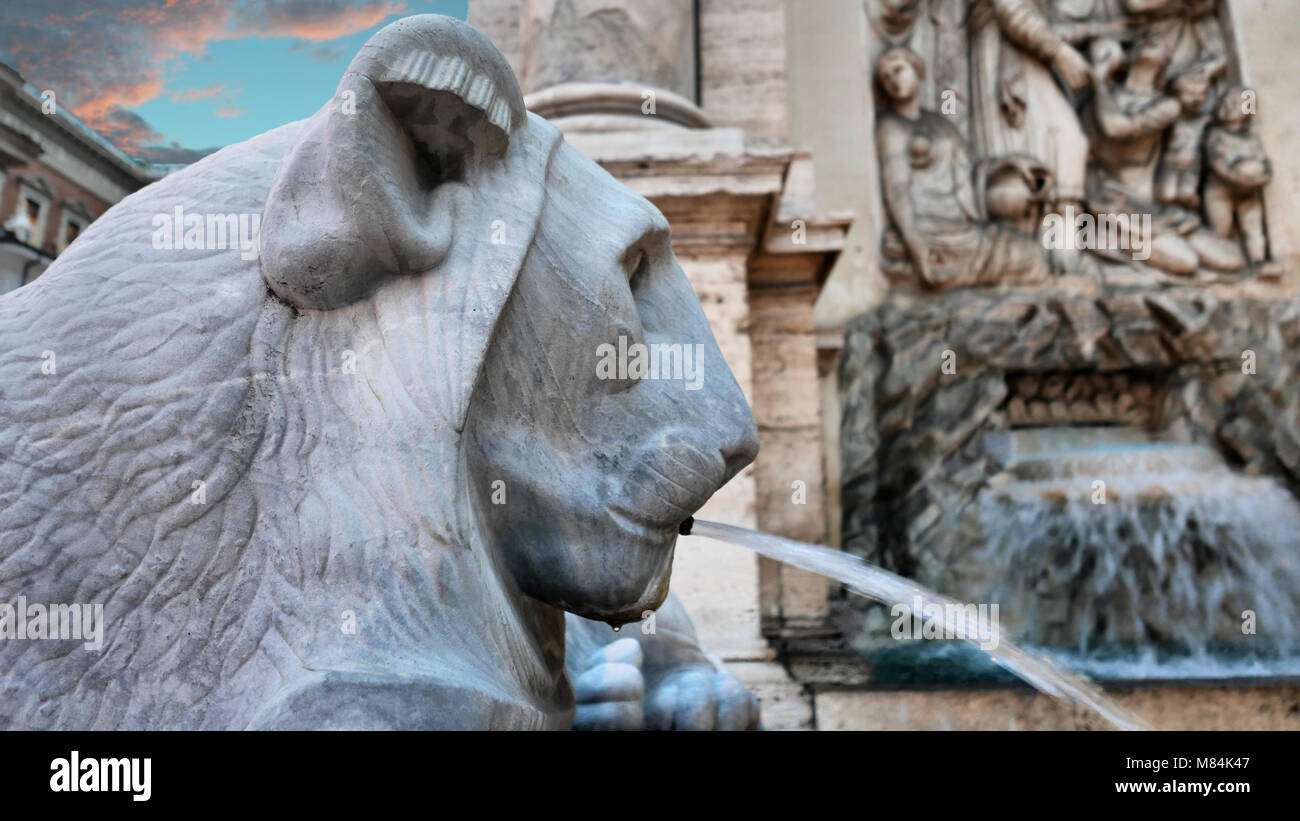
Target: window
(76, 216)
(28, 221)
(71, 230)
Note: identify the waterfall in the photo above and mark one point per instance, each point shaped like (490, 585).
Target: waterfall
(1093, 540)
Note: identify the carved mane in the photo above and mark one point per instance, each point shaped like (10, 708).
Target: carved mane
(178, 366)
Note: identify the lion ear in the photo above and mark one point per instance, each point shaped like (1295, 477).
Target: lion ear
(360, 196)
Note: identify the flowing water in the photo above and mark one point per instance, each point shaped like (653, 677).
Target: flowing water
(875, 583)
(1096, 541)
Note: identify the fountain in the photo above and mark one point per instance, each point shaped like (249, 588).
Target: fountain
(1099, 435)
(388, 420)
(1171, 547)
(891, 589)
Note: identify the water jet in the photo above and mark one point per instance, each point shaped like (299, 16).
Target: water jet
(888, 588)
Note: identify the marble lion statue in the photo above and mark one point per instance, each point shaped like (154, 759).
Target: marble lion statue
(361, 477)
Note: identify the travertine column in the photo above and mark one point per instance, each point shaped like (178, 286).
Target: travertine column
(610, 65)
(609, 41)
(718, 582)
(789, 473)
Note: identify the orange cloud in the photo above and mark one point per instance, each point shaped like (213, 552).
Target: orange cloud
(127, 130)
(331, 24)
(194, 94)
(105, 56)
(102, 101)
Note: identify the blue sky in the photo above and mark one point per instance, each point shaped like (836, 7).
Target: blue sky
(173, 79)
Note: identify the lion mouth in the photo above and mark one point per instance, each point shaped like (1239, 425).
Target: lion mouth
(640, 528)
(667, 484)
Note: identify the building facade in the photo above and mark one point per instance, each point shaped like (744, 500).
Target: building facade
(56, 177)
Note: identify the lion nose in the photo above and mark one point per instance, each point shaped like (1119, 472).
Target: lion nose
(740, 448)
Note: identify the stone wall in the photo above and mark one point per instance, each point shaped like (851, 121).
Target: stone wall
(924, 384)
(1165, 708)
(743, 79)
(791, 499)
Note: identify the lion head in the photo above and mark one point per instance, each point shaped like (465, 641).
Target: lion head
(396, 418)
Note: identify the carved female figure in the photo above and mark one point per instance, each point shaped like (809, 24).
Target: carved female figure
(937, 214)
(935, 30)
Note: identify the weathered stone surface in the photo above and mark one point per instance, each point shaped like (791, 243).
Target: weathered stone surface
(239, 458)
(1103, 139)
(1166, 708)
(924, 382)
(743, 43)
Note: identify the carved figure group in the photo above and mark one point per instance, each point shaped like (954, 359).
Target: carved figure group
(1096, 108)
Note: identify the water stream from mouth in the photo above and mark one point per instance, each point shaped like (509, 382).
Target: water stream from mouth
(866, 579)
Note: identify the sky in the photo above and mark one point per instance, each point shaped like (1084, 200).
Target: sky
(173, 80)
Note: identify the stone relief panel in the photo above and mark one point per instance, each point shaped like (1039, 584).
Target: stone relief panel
(597, 40)
(1020, 140)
